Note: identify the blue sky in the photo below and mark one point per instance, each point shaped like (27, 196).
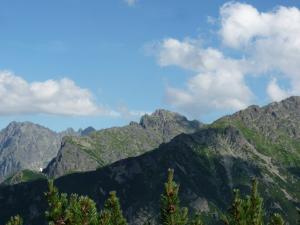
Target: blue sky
(75, 63)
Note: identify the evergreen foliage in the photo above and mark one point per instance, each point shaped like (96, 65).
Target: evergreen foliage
(276, 219)
(112, 213)
(298, 216)
(196, 220)
(249, 211)
(170, 211)
(254, 206)
(58, 203)
(15, 220)
(81, 210)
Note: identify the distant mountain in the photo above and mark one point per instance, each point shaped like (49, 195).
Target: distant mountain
(100, 148)
(86, 131)
(25, 145)
(260, 142)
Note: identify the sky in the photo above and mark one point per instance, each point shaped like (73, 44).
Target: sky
(103, 63)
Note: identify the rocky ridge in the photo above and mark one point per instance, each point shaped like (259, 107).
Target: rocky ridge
(259, 142)
(103, 147)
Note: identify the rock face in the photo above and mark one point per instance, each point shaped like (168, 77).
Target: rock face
(256, 142)
(29, 146)
(26, 146)
(109, 145)
(274, 129)
(208, 164)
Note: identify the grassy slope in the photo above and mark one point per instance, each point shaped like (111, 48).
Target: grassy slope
(24, 176)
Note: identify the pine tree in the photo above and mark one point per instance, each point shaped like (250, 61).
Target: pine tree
(104, 217)
(112, 213)
(58, 203)
(247, 211)
(298, 210)
(15, 220)
(170, 211)
(81, 211)
(276, 219)
(236, 211)
(254, 206)
(196, 220)
(147, 222)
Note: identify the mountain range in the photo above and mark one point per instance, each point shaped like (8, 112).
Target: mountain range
(209, 161)
(25, 145)
(100, 148)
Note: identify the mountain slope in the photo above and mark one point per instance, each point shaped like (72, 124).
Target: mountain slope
(208, 165)
(273, 129)
(23, 176)
(109, 145)
(26, 146)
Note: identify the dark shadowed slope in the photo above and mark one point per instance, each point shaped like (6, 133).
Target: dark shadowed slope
(208, 164)
(256, 142)
(109, 145)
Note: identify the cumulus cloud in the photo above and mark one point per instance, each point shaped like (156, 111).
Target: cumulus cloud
(269, 39)
(275, 92)
(57, 97)
(218, 83)
(130, 114)
(267, 44)
(131, 2)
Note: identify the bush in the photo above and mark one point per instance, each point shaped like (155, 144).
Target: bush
(81, 210)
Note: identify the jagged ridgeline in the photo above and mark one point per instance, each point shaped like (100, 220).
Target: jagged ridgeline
(26, 146)
(209, 163)
(109, 145)
(29, 146)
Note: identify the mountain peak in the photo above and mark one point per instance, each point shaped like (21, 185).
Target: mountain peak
(25, 145)
(168, 122)
(23, 127)
(18, 124)
(161, 116)
(292, 99)
(163, 112)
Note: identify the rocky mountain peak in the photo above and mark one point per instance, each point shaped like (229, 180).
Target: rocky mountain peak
(23, 127)
(16, 125)
(163, 113)
(291, 103)
(87, 131)
(160, 117)
(25, 145)
(112, 144)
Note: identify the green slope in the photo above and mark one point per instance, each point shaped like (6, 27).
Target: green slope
(23, 176)
(256, 142)
(109, 145)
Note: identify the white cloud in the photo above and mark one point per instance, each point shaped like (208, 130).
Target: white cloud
(268, 44)
(275, 92)
(269, 39)
(218, 84)
(127, 113)
(57, 97)
(131, 2)
(240, 23)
